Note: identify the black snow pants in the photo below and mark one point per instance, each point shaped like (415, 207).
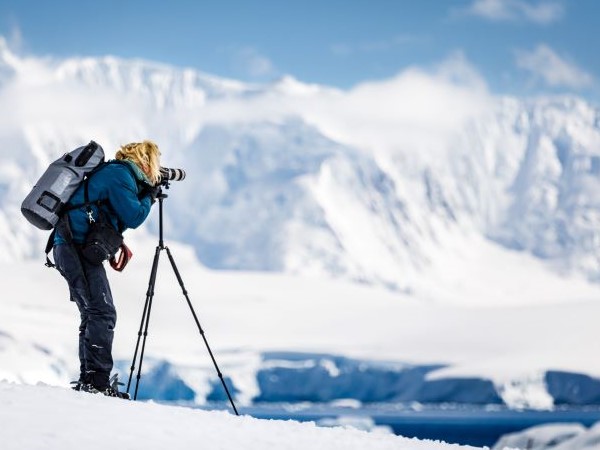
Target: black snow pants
(89, 289)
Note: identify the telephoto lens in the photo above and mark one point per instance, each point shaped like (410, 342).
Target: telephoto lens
(172, 174)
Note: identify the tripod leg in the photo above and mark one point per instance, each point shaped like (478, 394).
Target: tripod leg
(185, 293)
(137, 344)
(144, 323)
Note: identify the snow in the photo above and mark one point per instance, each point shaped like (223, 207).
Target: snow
(246, 315)
(426, 163)
(469, 221)
(35, 417)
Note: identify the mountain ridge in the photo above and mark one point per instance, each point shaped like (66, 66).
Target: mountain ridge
(270, 188)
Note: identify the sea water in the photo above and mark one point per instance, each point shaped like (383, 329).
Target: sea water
(459, 424)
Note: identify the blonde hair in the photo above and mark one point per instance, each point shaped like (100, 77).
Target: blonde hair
(146, 155)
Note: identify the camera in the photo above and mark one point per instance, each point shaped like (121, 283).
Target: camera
(168, 174)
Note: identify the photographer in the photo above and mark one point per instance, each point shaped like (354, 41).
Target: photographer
(121, 192)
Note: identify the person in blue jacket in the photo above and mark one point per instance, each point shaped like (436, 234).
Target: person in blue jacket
(126, 189)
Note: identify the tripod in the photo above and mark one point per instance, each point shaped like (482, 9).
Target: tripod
(148, 308)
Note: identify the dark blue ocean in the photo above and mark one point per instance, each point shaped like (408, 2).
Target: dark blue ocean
(459, 424)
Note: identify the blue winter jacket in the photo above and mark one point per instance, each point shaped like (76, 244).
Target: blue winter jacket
(119, 184)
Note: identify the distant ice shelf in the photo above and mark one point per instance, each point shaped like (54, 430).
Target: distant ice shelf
(288, 377)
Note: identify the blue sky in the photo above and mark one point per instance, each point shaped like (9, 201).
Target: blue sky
(519, 46)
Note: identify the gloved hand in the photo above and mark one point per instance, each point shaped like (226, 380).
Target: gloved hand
(152, 191)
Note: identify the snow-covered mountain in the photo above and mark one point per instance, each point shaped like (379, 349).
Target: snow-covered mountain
(425, 183)
(377, 184)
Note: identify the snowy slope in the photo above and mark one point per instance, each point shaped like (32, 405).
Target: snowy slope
(386, 183)
(53, 418)
(256, 323)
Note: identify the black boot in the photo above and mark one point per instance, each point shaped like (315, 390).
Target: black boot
(77, 385)
(83, 379)
(110, 390)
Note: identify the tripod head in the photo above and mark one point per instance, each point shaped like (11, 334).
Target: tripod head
(164, 183)
(161, 194)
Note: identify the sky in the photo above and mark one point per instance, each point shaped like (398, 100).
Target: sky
(519, 46)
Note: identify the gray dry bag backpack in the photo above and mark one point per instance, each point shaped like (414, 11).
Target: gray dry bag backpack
(44, 204)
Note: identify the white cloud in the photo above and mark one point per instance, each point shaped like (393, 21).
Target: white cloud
(13, 36)
(15, 39)
(251, 62)
(542, 12)
(416, 109)
(545, 64)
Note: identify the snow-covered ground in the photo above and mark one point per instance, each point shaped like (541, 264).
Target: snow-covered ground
(42, 417)
(246, 315)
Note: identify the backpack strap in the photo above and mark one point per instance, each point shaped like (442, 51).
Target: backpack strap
(64, 228)
(48, 248)
(88, 204)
